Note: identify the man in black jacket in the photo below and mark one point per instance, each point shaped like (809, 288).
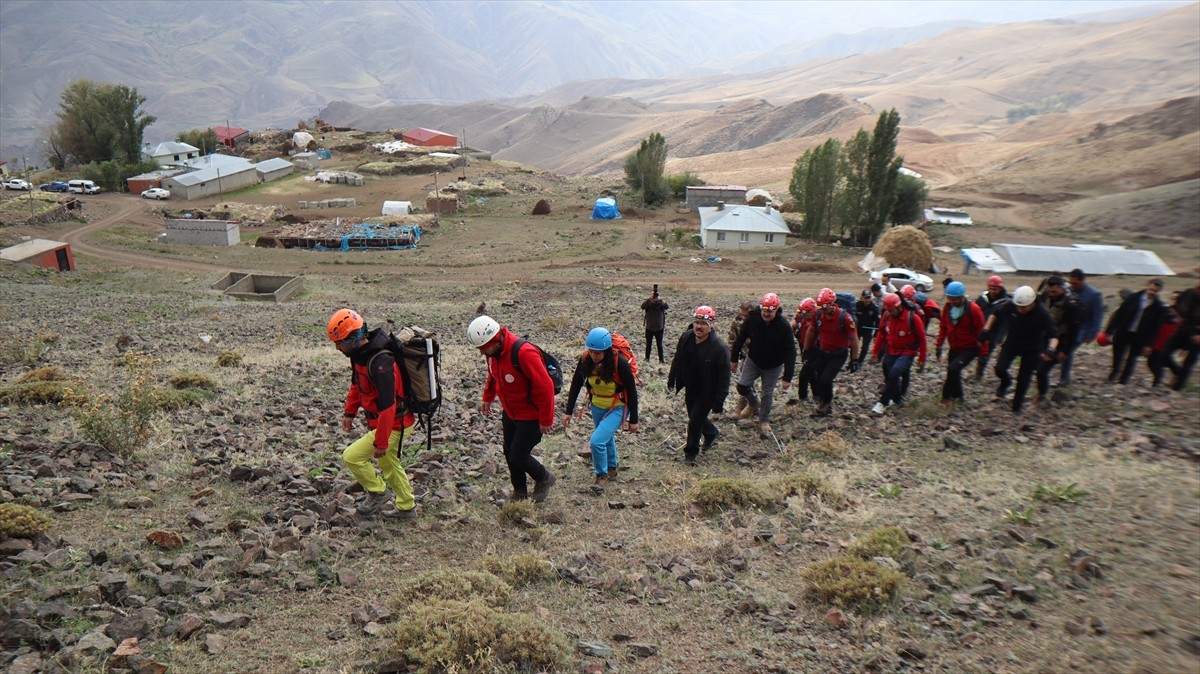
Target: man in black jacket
(1187, 337)
(868, 322)
(990, 301)
(656, 321)
(1132, 329)
(700, 368)
(772, 353)
(1030, 338)
(1067, 313)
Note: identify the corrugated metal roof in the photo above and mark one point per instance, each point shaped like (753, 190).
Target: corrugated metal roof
(987, 259)
(738, 218)
(273, 164)
(717, 188)
(170, 148)
(28, 249)
(1091, 259)
(225, 162)
(422, 134)
(205, 175)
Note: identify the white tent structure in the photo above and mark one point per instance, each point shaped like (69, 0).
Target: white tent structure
(1091, 258)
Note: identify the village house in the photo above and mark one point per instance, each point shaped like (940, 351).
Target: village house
(738, 226)
(171, 152)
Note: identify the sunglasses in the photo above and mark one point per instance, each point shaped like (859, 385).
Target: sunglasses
(701, 317)
(769, 308)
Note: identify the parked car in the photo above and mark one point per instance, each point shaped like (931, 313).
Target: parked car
(901, 277)
(83, 187)
(15, 184)
(156, 193)
(55, 186)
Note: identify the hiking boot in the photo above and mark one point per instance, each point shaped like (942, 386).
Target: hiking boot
(746, 412)
(612, 473)
(541, 488)
(823, 410)
(400, 515)
(737, 411)
(791, 402)
(599, 484)
(518, 496)
(689, 459)
(373, 503)
(709, 441)
(878, 408)
(764, 429)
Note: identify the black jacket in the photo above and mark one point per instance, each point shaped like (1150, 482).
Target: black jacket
(1188, 308)
(1146, 330)
(868, 314)
(1027, 333)
(702, 369)
(1068, 315)
(771, 344)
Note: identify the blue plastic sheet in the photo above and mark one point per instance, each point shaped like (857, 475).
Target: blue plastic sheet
(368, 230)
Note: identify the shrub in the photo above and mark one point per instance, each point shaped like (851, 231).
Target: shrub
(470, 637)
(229, 358)
(515, 512)
(845, 581)
(519, 570)
(21, 521)
(119, 420)
(48, 373)
(16, 348)
(35, 393)
(453, 585)
(811, 487)
(192, 380)
(724, 492)
(830, 443)
(881, 542)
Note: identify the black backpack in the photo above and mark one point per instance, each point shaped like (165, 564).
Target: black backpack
(849, 303)
(418, 354)
(552, 366)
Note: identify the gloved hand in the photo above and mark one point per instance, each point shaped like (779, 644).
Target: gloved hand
(853, 366)
(938, 355)
(985, 336)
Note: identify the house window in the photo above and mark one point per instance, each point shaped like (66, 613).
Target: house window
(770, 238)
(744, 237)
(720, 237)
(176, 157)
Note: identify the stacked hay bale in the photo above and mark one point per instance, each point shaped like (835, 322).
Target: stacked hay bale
(905, 246)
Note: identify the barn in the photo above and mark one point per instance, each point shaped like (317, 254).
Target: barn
(709, 195)
(54, 255)
(231, 136)
(429, 138)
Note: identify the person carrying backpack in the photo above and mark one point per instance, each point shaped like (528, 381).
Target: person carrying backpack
(613, 395)
(517, 376)
(989, 302)
(376, 388)
(772, 353)
(835, 337)
(700, 368)
(901, 340)
(868, 323)
(959, 325)
(656, 321)
(802, 323)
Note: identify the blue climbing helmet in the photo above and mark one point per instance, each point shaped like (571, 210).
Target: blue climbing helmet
(956, 289)
(599, 339)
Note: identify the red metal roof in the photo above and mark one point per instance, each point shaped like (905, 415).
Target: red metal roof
(422, 134)
(226, 133)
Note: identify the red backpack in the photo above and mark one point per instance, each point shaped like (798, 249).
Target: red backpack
(621, 346)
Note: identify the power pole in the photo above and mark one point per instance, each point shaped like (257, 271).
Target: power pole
(28, 184)
(437, 200)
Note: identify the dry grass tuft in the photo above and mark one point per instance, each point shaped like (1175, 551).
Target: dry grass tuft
(847, 582)
(720, 493)
(811, 488)
(469, 637)
(517, 512)
(830, 443)
(881, 542)
(193, 380)
(170, 400)
(22, 521)
(519, 570)
(48, 373)
(229, 358)
(35, 393)
(452, 585)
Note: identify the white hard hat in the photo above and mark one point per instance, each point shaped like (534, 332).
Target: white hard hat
(482, 330)
(1024, 296)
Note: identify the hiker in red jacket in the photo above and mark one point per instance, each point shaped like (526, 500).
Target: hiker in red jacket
(802, 323)
(960, 324)
(835, 337)
(526, 395)
(376, 385)
(901, 339)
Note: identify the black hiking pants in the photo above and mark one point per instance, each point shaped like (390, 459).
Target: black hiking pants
(826, 368)
(520, 437)
(699, 425)
(1030, 360)
(958, 360)
(651, 337)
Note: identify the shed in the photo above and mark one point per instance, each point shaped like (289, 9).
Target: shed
(947, 216)
(54, 255)
(397, 208)
(1092, 259)
(422, 137)
(203, 232)
(306, 160)
(273, 169)
(214, 174)
(710, 195)
(231, 136)
(142, 182)
(738, 226)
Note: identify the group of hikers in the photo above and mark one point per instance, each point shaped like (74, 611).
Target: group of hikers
(1041, 328)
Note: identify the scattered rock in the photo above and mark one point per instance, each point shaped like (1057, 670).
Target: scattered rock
(836, 618)
(215, 644)
(641, 650)
(227, 621)
(596, 648)
(911, 651)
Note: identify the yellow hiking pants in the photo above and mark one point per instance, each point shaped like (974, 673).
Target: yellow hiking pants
(357, 458)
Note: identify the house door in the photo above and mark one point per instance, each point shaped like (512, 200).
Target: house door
(61, 256)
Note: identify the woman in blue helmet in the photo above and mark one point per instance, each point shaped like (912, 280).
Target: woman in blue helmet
(960, 325)
(613, 396)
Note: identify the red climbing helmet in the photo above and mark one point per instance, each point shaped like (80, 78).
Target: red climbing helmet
(807, 304)
(769, 301)
(826, 297)
(909, 292)
(995, 281)
(891, 301)
(705, 313)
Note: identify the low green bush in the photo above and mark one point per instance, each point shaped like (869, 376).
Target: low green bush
(170, 400)
(192, 380)
(229, 358)
(519, 570)
(881, 542)
(452, 585)
(22, 521)
(35, 393)
(850, 582)
(721, 493)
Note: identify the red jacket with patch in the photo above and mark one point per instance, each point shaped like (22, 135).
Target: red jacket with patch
(901, 335)
(375, 387)
(527, 395)
(965, 333)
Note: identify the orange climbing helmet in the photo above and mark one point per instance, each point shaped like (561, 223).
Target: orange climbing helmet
(344, 323)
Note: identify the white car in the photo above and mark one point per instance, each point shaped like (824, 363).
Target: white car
(900, 277)
(156, 193)
(15, 184)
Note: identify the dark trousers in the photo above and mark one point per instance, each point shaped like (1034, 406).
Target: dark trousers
(895, 370)
(1125, 356)
(826, 368)
(806, 379)
(1180, 341)
(1156, 362)
(698, 422)
(520, 437)
(651, 336)
(1065, 375)
(1029, 365)
(865, 337)
(958, 361)
(1043, 373)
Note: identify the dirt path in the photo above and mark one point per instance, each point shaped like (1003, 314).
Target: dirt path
(126, 211)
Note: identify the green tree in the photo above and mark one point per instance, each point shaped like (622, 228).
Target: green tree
(678, 183)
(98, 122)
(910, 199)
(206, 140)
(814, 185)
(852, 198)
(882, 168)
(644, 169)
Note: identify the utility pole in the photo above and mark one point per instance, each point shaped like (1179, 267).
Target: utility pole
(462, 152)
(437, 200)
(28, 184)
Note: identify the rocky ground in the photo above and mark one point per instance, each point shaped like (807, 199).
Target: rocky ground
(229, 540)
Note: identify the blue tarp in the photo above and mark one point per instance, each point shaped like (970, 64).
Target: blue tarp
(605, 209)
(394, 238)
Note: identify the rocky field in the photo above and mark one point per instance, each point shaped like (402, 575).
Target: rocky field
(181, 453)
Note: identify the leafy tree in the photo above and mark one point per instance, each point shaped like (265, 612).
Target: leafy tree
(54, 148)
(644, 169)
(882, 168)
(910, 199)
(99, 121)
(678, 183)
(206, 140)
(814, 184)
(111, 175)
(852, 199)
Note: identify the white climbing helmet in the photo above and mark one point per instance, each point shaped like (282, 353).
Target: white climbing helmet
(482, 330)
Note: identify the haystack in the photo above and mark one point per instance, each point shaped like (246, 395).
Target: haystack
(542, 207)
(905, 246)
